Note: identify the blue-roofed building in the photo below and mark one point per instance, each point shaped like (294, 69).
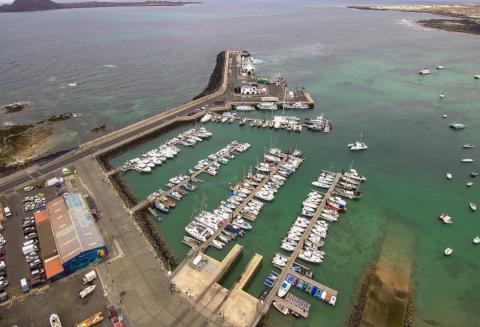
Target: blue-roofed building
(77, 238)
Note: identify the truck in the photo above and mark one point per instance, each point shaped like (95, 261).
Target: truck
(88, 277)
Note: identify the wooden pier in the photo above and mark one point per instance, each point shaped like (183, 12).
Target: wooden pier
(150, 200)
(287, 269)
(243, 204)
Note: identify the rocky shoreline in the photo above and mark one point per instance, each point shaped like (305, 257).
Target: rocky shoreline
(216, 78)
(463, 18)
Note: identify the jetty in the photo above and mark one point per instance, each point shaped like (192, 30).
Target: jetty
(198, 280)
(235, 213)
(291, 260)
(151, 199)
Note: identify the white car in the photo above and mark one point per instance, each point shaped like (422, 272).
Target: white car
(28, 188)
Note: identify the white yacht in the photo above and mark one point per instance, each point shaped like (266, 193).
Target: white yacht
(55, 320)
(456, 125)
(467, 160)
(449, 176)
(424, 71)
(476, 240)
(448, 251)
(473, 206)
(267, 106)
(244, 108)
(283, 290)
(206, 118)
(358, 145)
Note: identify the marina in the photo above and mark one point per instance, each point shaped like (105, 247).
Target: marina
(288, 123)
(209, 166)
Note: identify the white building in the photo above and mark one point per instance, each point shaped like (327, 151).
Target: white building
(252, 90)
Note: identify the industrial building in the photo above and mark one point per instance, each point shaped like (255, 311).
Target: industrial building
(68, 235)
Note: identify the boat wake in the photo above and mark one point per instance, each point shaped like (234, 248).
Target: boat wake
(109, 66)
(51, 79)
(412, 24)
(73, 84)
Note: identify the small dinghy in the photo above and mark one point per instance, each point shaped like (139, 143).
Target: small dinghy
(448, 251)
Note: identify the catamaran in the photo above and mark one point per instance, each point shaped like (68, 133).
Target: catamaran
(358, 145)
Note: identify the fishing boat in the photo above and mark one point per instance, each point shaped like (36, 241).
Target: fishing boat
(473, 206)
(87, 291)
(476, 240)
(284, 288)
(358, 145)
(55, 320)
(448, 251)
(466, 160)
(449, 176)
(469, 184)
(456, 126)
(281, 308)
(468, 146)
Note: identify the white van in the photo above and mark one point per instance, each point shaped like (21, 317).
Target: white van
(24, 285)
(7, 212)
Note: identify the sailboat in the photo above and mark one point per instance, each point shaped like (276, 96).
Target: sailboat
(358, 145)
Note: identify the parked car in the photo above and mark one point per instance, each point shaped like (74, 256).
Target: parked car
(28, 230)
(28, 188)
(37, 272)
(30, 236)
(35, 263)
(3, 284)
(37, 282)
(2, 240)
(31, 259)
(3, 296)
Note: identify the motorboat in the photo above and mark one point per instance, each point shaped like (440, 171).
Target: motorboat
(217, 244)
(357, 146)
(469, 184)
(467, 160)
(283, 309)
(448, 251)
(278, 262)
(309, 256)
(474, 174)
(83, 293)
(440, 67)
(206, 118)
(445, 218)
(449, 176)
(244, 108)
(468, 146)
(444, 115)
(456, 125)
(442, 96)
(284, 288)
(424, 71)
(162, 207)
(476, 240)
(473, 206)
(55, 320)
(267, 106)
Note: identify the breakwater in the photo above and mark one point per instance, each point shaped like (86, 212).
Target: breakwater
(216, 78)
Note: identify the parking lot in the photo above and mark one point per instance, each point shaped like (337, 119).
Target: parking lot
(15, 231)
(61, 298)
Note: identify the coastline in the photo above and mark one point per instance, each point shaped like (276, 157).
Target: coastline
(462, 18)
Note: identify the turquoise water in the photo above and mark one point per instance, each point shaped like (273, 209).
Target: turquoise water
(359, 66)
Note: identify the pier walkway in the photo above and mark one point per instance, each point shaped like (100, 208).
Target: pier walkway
(205, 245)
(150, 200)
(315, 283)
(287, 269)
